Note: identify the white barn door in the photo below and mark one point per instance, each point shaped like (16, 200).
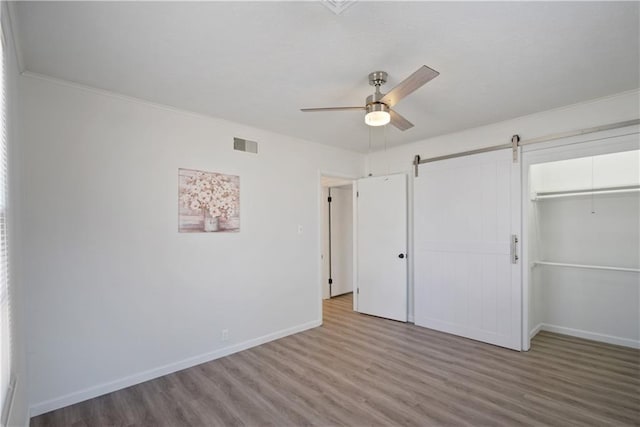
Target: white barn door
(467, 276)
(382, 246)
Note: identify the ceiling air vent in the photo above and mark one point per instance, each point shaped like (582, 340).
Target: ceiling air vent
(337, 6)
(245, 145)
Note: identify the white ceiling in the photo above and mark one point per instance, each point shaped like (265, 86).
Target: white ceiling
(258, 63)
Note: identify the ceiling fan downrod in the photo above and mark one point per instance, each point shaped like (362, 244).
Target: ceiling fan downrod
(377, 112)
(377, 79)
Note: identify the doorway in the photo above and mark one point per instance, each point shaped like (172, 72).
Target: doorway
(336, 236)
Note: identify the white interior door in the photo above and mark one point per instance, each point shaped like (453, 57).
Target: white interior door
(382, 246)
(466, 212)
(341, 240)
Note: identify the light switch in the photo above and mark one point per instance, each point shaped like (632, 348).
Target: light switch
(299, 229)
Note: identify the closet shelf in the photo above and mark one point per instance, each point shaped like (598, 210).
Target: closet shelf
(586, 266)
(594, 191)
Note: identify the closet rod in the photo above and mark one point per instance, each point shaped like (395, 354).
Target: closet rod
(590, 267)
(515, 142)
(600, 190)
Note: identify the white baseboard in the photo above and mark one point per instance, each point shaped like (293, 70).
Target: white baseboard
(609, 339)
(535, 330)
(111, 386)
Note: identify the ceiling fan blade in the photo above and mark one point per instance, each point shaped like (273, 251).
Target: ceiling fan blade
(400, 122)
(408, 85)
(313, 110)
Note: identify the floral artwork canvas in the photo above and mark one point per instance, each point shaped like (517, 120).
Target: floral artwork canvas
(208, 202)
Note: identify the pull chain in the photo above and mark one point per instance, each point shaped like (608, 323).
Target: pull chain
(385, 147)
(369, 156)
(593, 209)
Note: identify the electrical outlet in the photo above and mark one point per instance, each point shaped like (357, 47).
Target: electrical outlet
(225, 334)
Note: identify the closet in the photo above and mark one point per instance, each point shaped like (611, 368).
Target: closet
(584, 247)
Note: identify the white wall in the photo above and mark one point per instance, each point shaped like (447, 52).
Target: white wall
(19, 415)
(116, 295)
(602, 229)
(621, 107)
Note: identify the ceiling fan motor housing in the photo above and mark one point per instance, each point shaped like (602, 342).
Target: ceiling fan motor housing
(374, 99)
(377, 106)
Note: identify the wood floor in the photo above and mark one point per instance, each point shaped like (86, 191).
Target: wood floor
(359, 370)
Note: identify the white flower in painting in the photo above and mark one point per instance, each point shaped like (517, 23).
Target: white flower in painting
(211, 192)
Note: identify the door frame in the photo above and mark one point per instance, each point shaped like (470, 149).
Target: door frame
(319, 207)
(563, 149)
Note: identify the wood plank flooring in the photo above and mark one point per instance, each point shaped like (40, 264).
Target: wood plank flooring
(360, 370)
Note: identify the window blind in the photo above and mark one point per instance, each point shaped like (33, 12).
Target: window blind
(5, 308)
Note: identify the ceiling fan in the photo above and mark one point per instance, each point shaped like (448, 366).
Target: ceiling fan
(378, 106)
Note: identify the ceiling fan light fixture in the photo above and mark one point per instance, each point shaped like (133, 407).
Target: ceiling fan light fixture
(377, 115)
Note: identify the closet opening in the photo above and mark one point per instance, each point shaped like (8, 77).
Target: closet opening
(583, 232)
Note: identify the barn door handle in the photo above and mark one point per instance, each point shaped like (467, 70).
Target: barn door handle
(401, 256)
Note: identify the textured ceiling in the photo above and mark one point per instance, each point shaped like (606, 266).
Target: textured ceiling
(258, 63)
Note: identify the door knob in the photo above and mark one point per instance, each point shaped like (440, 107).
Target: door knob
(401, 256)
